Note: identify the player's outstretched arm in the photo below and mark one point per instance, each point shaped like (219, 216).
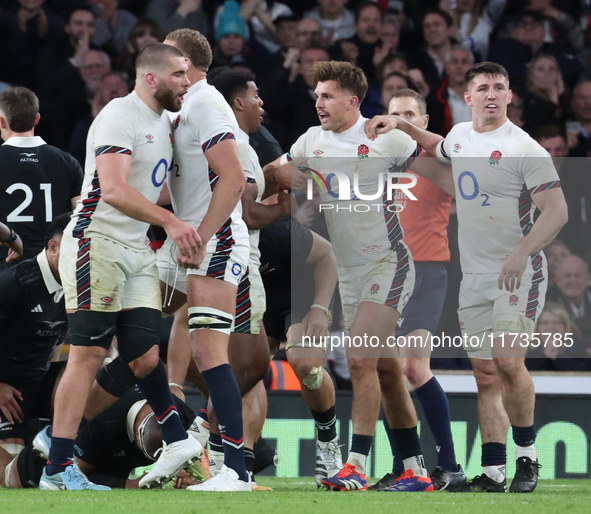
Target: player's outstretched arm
(113, 171)
(384, 123)
(258, 215)
(282, 174)
(430, 168)
(224, 160)
(554, 215)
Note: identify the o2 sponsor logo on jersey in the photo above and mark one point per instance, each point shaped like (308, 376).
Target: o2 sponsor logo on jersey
(236, 269)
(337, 184)
(159, 172)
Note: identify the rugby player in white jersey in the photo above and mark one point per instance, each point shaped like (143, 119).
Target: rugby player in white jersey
(375, 268)
(109, 272)
(240, 91)
(501, 175)
(206, 183)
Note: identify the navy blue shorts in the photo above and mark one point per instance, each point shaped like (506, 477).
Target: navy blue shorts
(423, 310)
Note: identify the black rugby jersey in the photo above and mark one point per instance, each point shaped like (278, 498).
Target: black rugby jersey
(32, 320)
(37, 183)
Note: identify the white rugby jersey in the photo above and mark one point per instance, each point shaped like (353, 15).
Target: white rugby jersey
(360, 231)
(125, 126)
(205, 120)
(254, 174)
(495, 174)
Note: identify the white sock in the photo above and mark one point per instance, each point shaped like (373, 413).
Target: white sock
(358, 460)
(416, 463)
(497, 473)
(526, 451)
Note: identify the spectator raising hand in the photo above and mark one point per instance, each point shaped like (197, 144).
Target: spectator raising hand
(31, 10)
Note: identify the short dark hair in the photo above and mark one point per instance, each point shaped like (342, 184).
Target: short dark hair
(230, 83)
(549, 132)
(449, 21)
(81, 7)
(156, 56)
(20, 107)
(363, 5)
(194, 46)
(284, 19)
(537, 16)
(410, 93)
(346, 75)
(485, 68)
(57, 226)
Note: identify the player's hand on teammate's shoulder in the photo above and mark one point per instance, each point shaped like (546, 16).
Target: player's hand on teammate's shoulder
(380, 125)
(9, 405)
(512, 271)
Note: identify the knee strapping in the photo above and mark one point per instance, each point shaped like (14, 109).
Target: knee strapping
(116, 378)
(210, 318)
(91, 328)
(137, 331)
(313, 380)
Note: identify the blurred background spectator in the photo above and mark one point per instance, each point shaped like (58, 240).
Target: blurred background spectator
(438, 31)
(545, 100)
(446, 106)
(26, 26)
(143, 33)
(177, 14)
(336, 21)
(554, 326)
(572, 290)
(474, 21)
(112, 26)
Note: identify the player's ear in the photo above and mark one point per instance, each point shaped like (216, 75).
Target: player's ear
(426, 118)
(509, 97)
(239, 103)
(150, 79)
(468, 98)
(37, 118)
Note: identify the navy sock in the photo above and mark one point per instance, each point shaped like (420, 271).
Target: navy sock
(326, 424)
(61, 455)
(408, 442)
(524, 436)
(494, 454)
(361, 444)
(397, 465)
(155, 388)
(227, 402)
(203, 412)
(215, 443)
(249, 459)
(436, 408)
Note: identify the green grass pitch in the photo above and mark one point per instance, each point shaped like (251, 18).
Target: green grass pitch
(300, 496)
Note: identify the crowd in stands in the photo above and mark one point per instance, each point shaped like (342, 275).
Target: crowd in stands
(79, 55)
